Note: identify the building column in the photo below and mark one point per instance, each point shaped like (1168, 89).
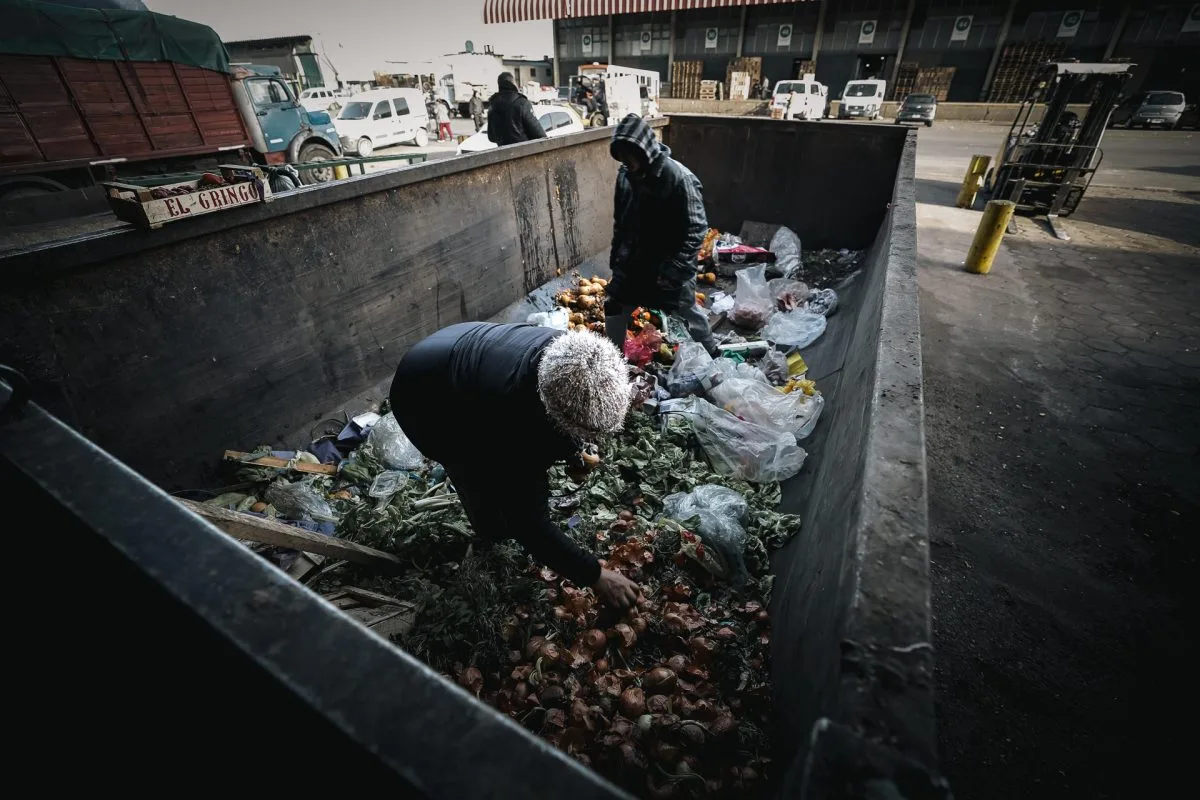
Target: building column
(820, 34)
(554, 40)
(612, 42)
(1117, 32)
(900, 50)
(991, 70)
(671, 52)
(741, 32)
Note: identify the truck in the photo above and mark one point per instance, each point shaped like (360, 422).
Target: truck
(471, 72)
(112, 95)
(131, 359)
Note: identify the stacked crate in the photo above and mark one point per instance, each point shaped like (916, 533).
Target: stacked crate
(1018, 67)
(906, 79)
(685, 79)
(912, 78)
(805, 68)
(751, 65)
(708, 90)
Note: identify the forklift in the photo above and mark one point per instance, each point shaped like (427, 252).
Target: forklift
(1045, 168)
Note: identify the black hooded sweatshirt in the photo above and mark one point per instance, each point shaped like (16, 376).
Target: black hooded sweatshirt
(467, 397)
(659, 224)
(510, 117)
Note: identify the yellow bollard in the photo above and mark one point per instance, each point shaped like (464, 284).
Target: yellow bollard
(341, 172)
(971, 181)
(992, 225)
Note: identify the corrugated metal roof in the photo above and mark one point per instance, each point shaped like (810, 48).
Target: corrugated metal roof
(524, 10)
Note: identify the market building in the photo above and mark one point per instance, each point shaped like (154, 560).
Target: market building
(983, 48)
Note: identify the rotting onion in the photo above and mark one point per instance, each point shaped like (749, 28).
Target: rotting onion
(633, 702)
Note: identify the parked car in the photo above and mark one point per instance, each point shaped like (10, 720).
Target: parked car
(862, 99)
(1190, 118)
(800, 99)
(556, 120)
(381, 118)
(321, 99)
(917, 108)
(1149, 109)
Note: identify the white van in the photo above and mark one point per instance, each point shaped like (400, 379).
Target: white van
(382, 118)
(800, 99)
(321, 99)
(862, 99)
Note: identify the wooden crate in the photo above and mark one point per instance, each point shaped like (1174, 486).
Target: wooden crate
(685, 79)
(1017, 68)
(711, 90)
(154, 206)
(804, 68)
(751, 65)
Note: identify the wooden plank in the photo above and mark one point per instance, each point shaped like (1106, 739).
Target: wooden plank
(282, 463)
(268, 531)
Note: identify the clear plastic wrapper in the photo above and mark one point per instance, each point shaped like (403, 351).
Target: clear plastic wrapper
(387, 483)
(821, 301)
(775, 366)
(795, 412)
(391, 446)
(739, 448)
(794, 328)
(692, 363)
(721, 511)
(753, 303)
(726, 368)
(299, 500)
(559, 319)
(789, 294)
(785, 244)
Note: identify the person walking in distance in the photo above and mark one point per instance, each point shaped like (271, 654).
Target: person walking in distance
(443, 121)
(659, 225)
(476, 106)
(510, 115)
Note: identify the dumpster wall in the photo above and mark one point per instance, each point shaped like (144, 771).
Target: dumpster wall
(168, 346)
(850, 608)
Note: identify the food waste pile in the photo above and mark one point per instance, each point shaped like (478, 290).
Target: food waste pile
(673, 698)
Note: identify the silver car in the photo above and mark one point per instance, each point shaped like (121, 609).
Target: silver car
(1148, 110)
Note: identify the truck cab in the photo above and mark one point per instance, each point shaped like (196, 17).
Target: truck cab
(281, 129)
(862, 99)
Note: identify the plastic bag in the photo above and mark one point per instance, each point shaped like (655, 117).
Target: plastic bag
(789, 294)
(795, 413)
(785, 244)
(739, 448)
(559, 319)
(299, 500)
(640, 348)
(821, 301)
(721, 511)
(794, 328)
(387, 484)
(753, 303)
(775, 366)
(727, 368)
(391, 446)
(692, 363)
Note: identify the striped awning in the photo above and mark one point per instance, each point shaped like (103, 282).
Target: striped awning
(523, 10)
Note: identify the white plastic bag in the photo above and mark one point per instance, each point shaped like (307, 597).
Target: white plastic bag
(726, 368)
(692, 363)
(821, 301)
(775, 366)
(794, 328)
(391, 445)
(753, 303)
(795, 413)
(789, 294)
(299, 500)
(559, 319)
(721, 511)
(785, 244)
(739, 448)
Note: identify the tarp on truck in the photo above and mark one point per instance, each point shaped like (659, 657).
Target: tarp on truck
(47, 29)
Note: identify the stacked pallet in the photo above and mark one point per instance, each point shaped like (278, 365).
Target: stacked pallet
(912, 78)
(751, 65)
(711, 90)
(685, 79)
(805, 68)
(1018, 67)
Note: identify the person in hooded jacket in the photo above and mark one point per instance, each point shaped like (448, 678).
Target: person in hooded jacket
(497, 406)
(510, 115)
(659, 225)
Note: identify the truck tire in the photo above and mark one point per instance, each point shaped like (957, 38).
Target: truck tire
(365, 147)
(29, 187)
(422, 138)
(311, 153)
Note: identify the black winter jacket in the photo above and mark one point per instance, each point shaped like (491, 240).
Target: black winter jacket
(658, 227)
(510, 117)
(467, 398)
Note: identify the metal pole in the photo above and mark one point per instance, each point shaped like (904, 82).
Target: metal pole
(554, 39)
(741, 32)
(991, 70)
(903, 43)
(970, 183)
(819, 34)
(988, 236)
(671, 56)
(1117, 32)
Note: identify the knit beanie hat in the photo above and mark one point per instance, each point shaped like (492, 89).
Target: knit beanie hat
(584, 385)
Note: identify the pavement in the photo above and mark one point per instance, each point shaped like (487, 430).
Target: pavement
(1061, 394)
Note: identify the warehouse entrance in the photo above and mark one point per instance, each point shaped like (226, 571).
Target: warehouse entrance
(870, 67)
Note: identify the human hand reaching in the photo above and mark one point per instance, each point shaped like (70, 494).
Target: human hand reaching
(616, 590)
